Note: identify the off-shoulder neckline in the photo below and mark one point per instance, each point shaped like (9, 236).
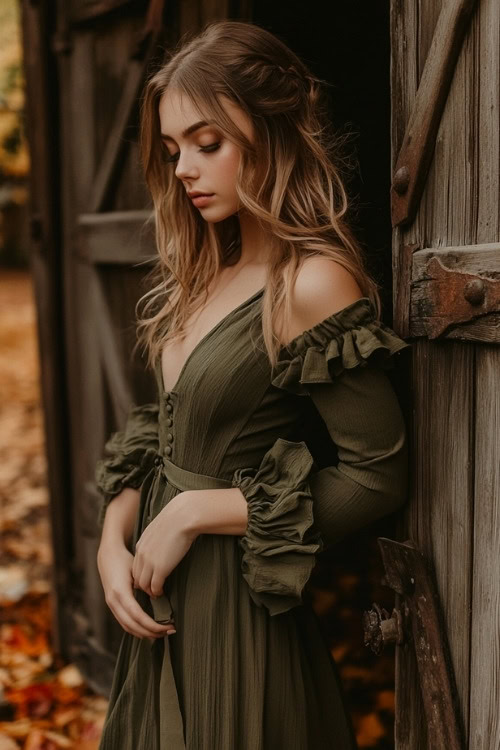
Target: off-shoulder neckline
(361, 311)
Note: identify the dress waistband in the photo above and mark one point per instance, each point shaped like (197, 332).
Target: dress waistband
(184, 480)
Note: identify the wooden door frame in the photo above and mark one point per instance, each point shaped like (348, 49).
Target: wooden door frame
(46, 267)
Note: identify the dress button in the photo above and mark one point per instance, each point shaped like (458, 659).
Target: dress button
(169, 407)
(169, 422)
(170, 437)
(168, 450)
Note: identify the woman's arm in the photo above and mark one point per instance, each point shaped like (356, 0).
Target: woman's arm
(120, 518)
(128, 457)
(216, 511)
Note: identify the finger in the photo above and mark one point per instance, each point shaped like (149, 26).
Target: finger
(157, 582)
(142, 618)
(136, 571)
(129, 625)
(134, 619)
(134, 626)
(144, 580)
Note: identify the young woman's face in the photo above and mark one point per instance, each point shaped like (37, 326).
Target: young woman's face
(203, 159)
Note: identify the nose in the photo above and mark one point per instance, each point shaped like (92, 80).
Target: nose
(186, 167)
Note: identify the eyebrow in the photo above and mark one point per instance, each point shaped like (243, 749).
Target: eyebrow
(188, 131)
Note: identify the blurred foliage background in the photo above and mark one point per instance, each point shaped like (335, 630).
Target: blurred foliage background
(14, 155)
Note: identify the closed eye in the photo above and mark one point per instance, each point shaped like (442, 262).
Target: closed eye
(206, 149)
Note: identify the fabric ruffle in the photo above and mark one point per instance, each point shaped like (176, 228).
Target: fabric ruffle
(130, 455)
(280, 542)
(352, 337)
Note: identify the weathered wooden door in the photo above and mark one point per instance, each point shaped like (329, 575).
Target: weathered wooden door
(446, 218)
(86, 61)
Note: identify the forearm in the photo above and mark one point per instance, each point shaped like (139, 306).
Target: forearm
(217, 511)
(343, 506)
(120, 518)
(365, 422)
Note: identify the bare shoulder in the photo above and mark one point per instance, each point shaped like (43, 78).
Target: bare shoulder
(322, 287)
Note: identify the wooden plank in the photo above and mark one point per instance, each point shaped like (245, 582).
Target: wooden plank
(485, 112)
(78, 117)
(483, 259)
(140, 57)
(45, 252)
(404, 84)
(418, 144)
(439, 515)
(111, 357)
(485, 635)
(409, 725)
(116, 142)
(77, 149)
(117, 237)
(484, 108)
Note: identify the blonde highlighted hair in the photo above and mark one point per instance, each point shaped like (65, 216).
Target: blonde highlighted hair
(287, 179)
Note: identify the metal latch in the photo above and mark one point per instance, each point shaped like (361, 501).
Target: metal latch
(418, 621)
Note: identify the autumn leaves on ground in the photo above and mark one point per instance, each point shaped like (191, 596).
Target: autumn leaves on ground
(45, 703)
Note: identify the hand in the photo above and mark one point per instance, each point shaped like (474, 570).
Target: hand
(161, 546)
(114, 563)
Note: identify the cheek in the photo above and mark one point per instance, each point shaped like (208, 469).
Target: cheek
(229, 164)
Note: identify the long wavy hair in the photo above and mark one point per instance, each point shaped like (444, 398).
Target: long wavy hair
(288, 178)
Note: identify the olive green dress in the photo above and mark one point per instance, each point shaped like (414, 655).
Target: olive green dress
(248, 668)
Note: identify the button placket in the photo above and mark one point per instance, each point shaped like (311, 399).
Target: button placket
(169, 421)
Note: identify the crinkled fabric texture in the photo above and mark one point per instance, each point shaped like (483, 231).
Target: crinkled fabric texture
(131, 453)
(351, 338)
(280, 543)
(234, 675)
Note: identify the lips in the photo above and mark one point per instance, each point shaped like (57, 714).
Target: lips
(202, 199)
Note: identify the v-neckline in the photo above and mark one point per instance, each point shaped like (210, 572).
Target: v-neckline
(201, 342)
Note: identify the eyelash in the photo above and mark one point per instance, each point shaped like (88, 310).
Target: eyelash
(206, 149)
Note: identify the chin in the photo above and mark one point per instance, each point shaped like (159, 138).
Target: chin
(214, 217)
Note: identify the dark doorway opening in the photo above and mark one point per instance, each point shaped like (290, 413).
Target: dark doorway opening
(347, 43)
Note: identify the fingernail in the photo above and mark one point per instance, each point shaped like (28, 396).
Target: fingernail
(171, 631)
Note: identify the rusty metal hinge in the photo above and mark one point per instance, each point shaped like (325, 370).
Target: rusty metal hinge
(419, 621)
(454, 296)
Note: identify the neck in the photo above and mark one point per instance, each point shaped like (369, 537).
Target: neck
(254, 240)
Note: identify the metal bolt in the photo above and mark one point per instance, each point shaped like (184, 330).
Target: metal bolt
(474, 292)
(401, 180)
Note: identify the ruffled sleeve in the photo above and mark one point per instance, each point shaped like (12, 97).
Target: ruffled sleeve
(128, 455)
(296, 509)
(348, 339)
(280, 541)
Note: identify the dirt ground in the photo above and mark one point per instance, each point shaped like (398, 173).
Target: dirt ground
(46, 704)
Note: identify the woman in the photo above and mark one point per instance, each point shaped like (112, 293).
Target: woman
(263, 331)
